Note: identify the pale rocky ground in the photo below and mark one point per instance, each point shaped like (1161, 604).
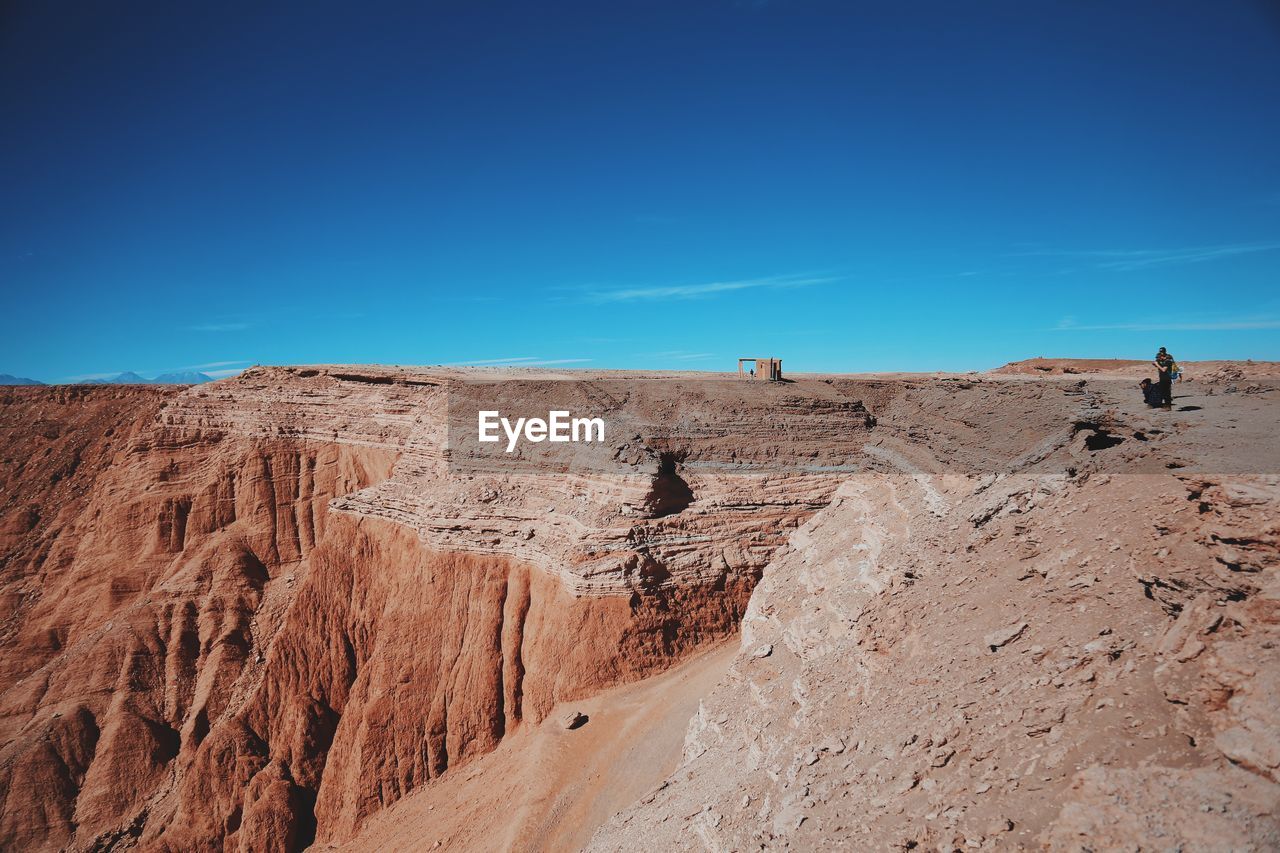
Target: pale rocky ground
(860, 713)
(892, 690)
(1083, 662)
(1012, 609)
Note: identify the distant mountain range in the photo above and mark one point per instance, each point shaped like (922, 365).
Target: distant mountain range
(189, 377)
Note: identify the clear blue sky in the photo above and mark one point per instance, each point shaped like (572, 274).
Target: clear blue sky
(849, 186)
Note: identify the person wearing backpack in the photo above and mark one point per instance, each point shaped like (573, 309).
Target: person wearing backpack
(1165, 366)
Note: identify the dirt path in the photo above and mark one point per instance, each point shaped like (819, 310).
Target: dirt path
(547, 788)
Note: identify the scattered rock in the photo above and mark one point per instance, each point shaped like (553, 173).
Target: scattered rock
(574, 720)
(1004, 636)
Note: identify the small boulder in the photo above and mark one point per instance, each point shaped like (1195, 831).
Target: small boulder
(1002, 637)
(574, 720)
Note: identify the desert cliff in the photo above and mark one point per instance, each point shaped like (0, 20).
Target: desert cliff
(981, 609)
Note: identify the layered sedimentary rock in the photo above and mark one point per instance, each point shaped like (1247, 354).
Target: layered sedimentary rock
(141, 613)
(278, 606)
(696, 478)
(1073, 660)
(252, 613)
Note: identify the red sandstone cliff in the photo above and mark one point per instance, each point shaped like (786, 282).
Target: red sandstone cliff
(141, 608)
(201, 653)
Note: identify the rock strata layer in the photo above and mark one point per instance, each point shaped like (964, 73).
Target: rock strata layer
(1079, 661)
(273, 605)
(252, 613)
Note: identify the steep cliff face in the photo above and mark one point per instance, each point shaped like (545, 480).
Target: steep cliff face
(139, 617)
(395, 663)
(277, 607)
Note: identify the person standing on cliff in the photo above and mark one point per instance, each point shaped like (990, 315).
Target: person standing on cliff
(1164, 378)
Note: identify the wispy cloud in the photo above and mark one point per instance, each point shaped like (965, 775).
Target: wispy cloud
(223, 374)
(699, 291)
(218, 327)
(1068, 324)
(1127, 260)
(479, 361)
(520, 360)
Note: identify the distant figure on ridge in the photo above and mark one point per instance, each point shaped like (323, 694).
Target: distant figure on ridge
(1164, 365)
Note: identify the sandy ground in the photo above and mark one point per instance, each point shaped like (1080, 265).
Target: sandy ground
(548, 788)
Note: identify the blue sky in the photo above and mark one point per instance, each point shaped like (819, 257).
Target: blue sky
(848, 186)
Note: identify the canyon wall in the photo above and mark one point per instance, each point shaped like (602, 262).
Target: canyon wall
(249, 614)
(141, 604)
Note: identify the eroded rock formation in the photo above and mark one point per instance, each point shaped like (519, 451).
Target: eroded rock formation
(253, 613)
(271, 607)
(1081, 660)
